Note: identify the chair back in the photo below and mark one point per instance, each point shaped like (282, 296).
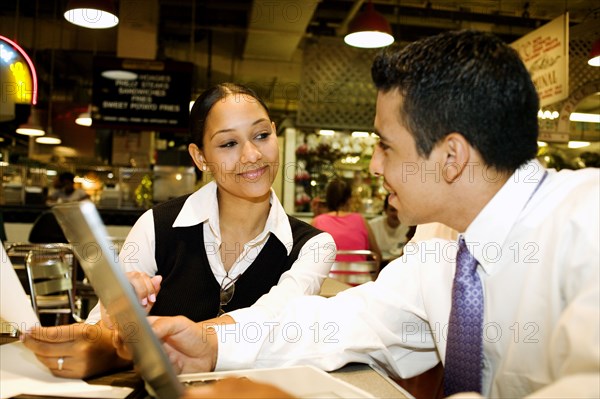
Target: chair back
(356, 272)
(46, 229)
(51, 285)
(18, 251)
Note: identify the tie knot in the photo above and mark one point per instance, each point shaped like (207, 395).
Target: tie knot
(465, 261)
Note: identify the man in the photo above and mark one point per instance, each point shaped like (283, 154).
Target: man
(389, 233)
(65, 191)
(456, 116)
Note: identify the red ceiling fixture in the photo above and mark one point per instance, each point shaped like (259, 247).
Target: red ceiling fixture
(594, 59)
(369, 29)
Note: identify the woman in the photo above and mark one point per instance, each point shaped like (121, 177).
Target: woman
(220, 249)
(349, 229)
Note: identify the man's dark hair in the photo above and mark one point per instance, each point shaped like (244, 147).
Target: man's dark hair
(66, 177)
(386, 202)
(467, 82)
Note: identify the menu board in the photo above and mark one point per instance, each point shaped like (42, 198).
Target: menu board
(141, 94)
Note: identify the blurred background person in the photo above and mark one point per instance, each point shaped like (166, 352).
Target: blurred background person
(388, 230)
(318, 206)
(349, 230)
(65, 191)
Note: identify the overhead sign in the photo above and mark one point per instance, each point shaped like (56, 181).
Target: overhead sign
(545, 52)
(141, 94)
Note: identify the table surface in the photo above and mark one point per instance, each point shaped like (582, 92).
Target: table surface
(359, 375)
(367, 379)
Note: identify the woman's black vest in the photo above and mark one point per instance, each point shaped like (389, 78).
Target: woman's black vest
(189, 287)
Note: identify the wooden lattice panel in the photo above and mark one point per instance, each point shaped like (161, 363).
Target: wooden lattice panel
(336, 87)
(584, 79)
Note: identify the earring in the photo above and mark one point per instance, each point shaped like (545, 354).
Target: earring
(204, 167)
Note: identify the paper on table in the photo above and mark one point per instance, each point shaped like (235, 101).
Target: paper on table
(22, 373)
(15, 307)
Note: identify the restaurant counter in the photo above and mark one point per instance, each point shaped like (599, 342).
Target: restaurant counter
(29, 213)
(18, 220)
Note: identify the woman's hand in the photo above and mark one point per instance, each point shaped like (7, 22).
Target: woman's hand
(146, 288)
(191, 347)
(85, 349)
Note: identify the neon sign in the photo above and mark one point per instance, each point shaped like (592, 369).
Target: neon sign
(18, 75)
(6, 54)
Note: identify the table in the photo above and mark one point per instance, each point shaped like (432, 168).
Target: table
(359, 375)
(367, 379)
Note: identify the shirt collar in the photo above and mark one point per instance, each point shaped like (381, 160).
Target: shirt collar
(202, 206)
(488, 232)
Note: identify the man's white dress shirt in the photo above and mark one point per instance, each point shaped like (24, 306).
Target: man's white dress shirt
(539, 265)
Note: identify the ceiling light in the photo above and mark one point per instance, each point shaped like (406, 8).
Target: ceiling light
(93, 14)
(119, 74)
(369, 29)
(581, 117)
(360, 134)
(595, 54)
(49, 138)
(32, 127)
(578, 144)
(542, 144)
(84, 119)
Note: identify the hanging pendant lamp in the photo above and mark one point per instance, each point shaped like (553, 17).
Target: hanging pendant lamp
(32, 127)
(594, 59)
(49, 138)
(85, 118)
(369, 29)
(93, 14)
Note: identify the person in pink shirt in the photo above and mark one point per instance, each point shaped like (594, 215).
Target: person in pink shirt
(350, 230)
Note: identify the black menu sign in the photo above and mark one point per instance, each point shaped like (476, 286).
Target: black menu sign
(142, 94)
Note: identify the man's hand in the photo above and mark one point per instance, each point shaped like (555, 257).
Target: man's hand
(240, 388)
(85, 349)
(191, 347)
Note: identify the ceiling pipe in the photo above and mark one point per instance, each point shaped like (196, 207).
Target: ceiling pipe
(341, 30)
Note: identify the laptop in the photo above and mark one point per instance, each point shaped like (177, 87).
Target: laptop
(87, 234)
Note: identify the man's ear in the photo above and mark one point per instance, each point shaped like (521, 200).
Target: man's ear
(197, 156)
(457, 152)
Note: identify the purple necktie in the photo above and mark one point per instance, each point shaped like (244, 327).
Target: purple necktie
(464, 349)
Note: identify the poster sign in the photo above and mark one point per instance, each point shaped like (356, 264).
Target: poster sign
(545, 52)
(141, 94)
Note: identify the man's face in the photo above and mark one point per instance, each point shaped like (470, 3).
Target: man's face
(412, 180)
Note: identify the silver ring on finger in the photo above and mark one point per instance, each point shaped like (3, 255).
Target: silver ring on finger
(60, 361)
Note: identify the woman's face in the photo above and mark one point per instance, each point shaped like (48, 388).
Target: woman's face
(240, 147)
